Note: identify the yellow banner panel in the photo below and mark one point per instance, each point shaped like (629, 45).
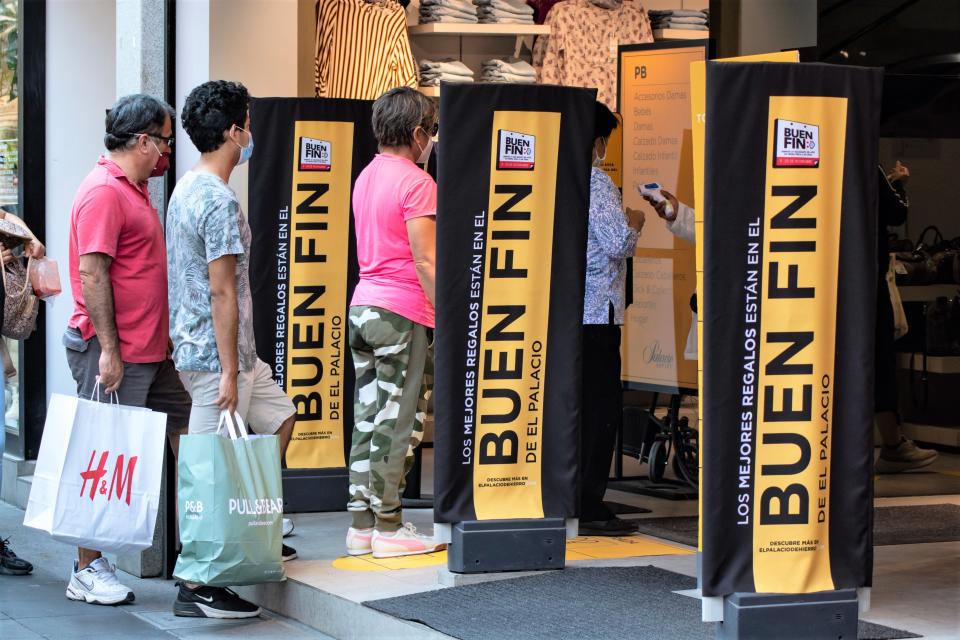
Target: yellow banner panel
(514, 317)
(319, 235)
(798, 325)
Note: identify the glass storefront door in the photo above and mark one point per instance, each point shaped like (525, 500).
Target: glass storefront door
(9, 183)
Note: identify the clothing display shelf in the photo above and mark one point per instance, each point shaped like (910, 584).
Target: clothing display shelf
(941, 365)
(924, 293)
(461, 31)
(455, 29)
(679, 34)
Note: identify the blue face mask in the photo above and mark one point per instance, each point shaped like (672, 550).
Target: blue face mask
(247, 151)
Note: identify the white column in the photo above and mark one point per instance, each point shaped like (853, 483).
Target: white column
(80, 86)
(141, 61)
(192, 67)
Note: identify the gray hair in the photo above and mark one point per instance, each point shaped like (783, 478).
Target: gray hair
(398, 112)
(132, 115)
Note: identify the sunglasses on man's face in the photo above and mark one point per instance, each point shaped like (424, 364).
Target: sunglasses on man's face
(159, 138)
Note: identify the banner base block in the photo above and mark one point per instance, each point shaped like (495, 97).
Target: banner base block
(757, 616)
(507, 545)
(312, 490)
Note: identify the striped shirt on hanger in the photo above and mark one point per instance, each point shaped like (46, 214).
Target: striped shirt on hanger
(362, 49)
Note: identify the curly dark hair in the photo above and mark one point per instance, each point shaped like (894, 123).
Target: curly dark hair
(211, 109)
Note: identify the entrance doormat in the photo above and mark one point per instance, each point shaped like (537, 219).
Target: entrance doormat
(621, 509)
(682, 529)
(925, 482)
(916, 524)
(573, 604)
(891, 525)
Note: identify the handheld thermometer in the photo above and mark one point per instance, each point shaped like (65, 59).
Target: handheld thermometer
(652, 191)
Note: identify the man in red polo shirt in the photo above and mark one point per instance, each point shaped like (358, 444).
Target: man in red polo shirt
(117, 339)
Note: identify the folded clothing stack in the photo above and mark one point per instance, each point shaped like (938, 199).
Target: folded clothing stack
(504, 11)
(461, 11)
(512, 71)
(433, 72)
(680, 19)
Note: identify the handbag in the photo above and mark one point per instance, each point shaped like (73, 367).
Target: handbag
(20, 306)
(944, 256)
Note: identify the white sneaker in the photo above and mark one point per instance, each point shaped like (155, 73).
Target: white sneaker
(359, 541)
(405, 541)
(287, 527)
(98, 584)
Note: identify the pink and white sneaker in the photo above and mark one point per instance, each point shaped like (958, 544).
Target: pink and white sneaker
(358, 541)
(403, 542)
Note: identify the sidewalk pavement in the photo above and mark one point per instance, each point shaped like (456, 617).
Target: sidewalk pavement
(34, 607)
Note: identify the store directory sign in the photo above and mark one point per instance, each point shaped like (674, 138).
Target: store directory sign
(654, 102)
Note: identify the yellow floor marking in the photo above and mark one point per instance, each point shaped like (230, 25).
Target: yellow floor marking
(579, 549)
(951, 473)
(369, 563)
(601, 547)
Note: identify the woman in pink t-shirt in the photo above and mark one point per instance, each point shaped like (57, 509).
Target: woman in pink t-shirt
(391, 322)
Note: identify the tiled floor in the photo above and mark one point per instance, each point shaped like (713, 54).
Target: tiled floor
(916, 587)
(34, 607)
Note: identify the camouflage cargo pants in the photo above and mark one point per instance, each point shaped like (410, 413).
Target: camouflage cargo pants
(394, 375)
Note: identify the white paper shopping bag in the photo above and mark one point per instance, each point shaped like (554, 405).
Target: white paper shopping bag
(97, 480)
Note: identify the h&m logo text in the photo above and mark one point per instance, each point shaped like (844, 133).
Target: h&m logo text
(122, 478)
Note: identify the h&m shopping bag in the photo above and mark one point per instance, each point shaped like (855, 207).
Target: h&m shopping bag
(230, 499)
(97, 480)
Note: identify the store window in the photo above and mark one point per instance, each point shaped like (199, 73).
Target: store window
(9, 183)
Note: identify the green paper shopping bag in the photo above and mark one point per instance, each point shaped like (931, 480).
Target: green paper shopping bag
(230, 501)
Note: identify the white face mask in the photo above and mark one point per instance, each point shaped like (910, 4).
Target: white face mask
(247, 151)
(424, 151)
(600, 159)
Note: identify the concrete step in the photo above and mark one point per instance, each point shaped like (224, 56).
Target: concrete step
(933, 434)
(333, 615)
(13, 469)
(24, 484)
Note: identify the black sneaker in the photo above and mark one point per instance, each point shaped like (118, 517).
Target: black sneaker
(10, 564)
(212, 602)
(288, 553)
(613, 527)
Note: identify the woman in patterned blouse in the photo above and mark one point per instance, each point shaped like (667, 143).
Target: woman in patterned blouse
(611, 239)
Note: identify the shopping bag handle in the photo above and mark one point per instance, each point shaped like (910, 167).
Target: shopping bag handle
(114, 398)
(236, 432)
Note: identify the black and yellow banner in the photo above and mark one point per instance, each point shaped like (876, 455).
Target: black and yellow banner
(789, 270)
(304, 268)
(511, 247)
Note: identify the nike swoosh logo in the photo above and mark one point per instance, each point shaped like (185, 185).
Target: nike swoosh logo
(88, 587)
(207, 600)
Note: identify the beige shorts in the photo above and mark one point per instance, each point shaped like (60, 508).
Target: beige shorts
(260, 402)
